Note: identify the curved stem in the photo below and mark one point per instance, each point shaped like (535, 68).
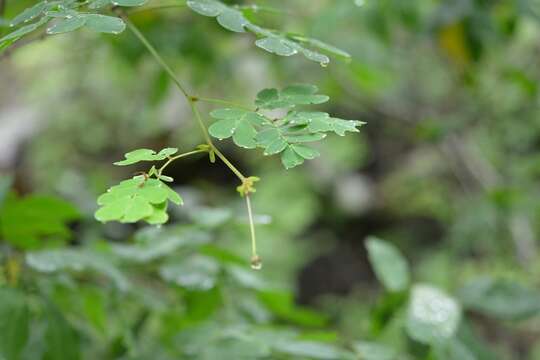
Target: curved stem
(255, 259)
(155, 54)
(200, 121)
(160, 170)
(191, 99)
(229, 164)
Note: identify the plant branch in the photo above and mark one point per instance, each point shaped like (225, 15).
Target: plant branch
(256, 262)
(191, 99)
(155, 54)
(160, 170)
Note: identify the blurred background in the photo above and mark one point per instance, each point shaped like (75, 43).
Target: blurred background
(446, 169)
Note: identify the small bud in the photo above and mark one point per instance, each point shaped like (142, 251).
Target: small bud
(256, 262)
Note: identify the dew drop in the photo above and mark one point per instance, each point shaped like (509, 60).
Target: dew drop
(256, 262)
(324, 64)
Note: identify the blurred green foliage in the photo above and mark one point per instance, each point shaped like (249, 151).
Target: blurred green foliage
(445, 171)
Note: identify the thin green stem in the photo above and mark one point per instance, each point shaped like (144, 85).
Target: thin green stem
(160, 170)
(156, 55)
(224, 102)
(200, 121)
(255, 259)
(256, 262)
(229, 164)
(191, 99)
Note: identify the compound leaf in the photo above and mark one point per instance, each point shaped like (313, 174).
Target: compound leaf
(68, 24)
(250, 129)
(300, 94)
(137, 199)
(104, 24)
(29, 14)
(139, 155)
(23, 30)
(275, 42)
(240, 124)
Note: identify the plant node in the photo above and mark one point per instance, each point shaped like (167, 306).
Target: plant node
(247, 186)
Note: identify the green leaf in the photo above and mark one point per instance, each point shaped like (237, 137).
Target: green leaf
(61, 339)
(128, 3)
(29, 14)
(290, 158)
(389, 265)
(98, 4)
(303, 138)
(159, 214)
(453, 350)
(210, 8)
(300, 94)
(323, 46)
(499, 298)
(249, 129)
(70, 23)
(272, 41)
(432, 316)
(283, 306)
(240, 124)
(49, 261)
(104, 24)
(25, 221)
(139, 155)
(277, 45)
(136, 199)
(24, 30)
(246, 278)
(305, 151)
(194, 273)
(322, 122)
(14, 323)
(230, 18)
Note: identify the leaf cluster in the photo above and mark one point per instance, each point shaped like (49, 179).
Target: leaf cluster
(233, 19)
(288, 135)
(65, 16)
